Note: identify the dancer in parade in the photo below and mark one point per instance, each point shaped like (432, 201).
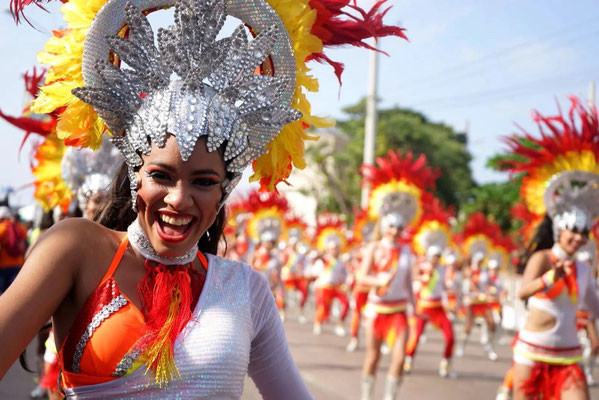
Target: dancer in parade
(478, 237)
(294, 262)
(363, 233)
(561, 180)
(432, 237)
(397, 186)
(140, 305)
(330, 271)
(453, 282)
(88, 175)
(499, 260)
(265, 226)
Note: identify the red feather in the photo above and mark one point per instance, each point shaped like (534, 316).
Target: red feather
(578, 132)
(31, 125)
(17, 6)
(396, 166)
(336, 26)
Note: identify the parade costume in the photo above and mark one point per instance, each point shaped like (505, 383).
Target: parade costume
(498, 260)
(561, 179)
(363, 233)
(48, 150)
(294, 262)
(246, 97)
(432, 237)
(586, 321)
(478, 238)
(264, 227)
(239, 246)
(89, 173)
(453, 280)
(330, 271)
(398, 187)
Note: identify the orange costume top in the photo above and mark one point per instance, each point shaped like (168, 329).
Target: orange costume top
(101, 345)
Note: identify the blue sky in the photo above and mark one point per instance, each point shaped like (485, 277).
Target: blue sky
(471, 63)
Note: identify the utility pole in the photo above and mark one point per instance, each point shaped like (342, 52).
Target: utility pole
(371, 119)
(592, 95)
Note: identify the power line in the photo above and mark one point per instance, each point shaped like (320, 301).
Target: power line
(581, 29)
(475, 101)
(548, 83)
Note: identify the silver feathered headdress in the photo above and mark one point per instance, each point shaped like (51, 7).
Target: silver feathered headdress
(215, 92)
(572, 200)
(87, 172)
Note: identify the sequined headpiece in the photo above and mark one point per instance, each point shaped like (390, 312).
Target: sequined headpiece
(330, 231)
(296, 228)
(499, 252)
(266, 221)
(434, 230)
(87, 172)
(479, 235)
(217, 94)
(398, 184)
(247, 97)
(561, 168)
(364, 227)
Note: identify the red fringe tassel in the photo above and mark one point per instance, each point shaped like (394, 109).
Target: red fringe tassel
(168, 297)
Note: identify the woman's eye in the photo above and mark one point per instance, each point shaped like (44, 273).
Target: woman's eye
(206, 182)
(158, 175)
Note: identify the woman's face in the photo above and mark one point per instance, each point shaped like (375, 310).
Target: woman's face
(392, 232)
(178, 201)
(570, 241)
(94, 204)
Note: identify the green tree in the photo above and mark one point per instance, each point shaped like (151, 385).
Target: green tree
(397, 129)
(494, 200)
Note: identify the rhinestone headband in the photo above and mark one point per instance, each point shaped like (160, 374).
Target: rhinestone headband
(217, 95)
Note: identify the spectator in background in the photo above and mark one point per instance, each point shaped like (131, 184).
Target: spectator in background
(13, 243)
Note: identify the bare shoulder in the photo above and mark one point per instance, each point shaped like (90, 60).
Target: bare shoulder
(539, 262)
(539, 258)
(74, 237)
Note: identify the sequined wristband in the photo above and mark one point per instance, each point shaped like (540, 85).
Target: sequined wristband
(548, 278)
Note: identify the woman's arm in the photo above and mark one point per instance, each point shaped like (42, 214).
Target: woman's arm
(364, 275)
(537, 277)
(271, 366)
(40, 287)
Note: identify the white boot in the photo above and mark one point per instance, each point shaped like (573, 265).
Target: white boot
(352, 345)
(484, 334)
(461, 348)
(589, 364)
(392, 384)
(317, 330)
(301, 318)
(491, 354)
(340, 330)
(367, 387)
(444, 368)
(407, 365)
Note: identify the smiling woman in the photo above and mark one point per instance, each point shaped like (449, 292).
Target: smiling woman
(140, 306)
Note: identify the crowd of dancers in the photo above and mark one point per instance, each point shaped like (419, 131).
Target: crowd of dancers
(173, 286)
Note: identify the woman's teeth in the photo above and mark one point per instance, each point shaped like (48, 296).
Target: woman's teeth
(175, 221)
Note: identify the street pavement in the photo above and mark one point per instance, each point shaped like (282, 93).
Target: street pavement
(333, 374)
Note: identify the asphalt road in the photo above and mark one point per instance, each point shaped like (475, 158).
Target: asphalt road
(333, 374)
